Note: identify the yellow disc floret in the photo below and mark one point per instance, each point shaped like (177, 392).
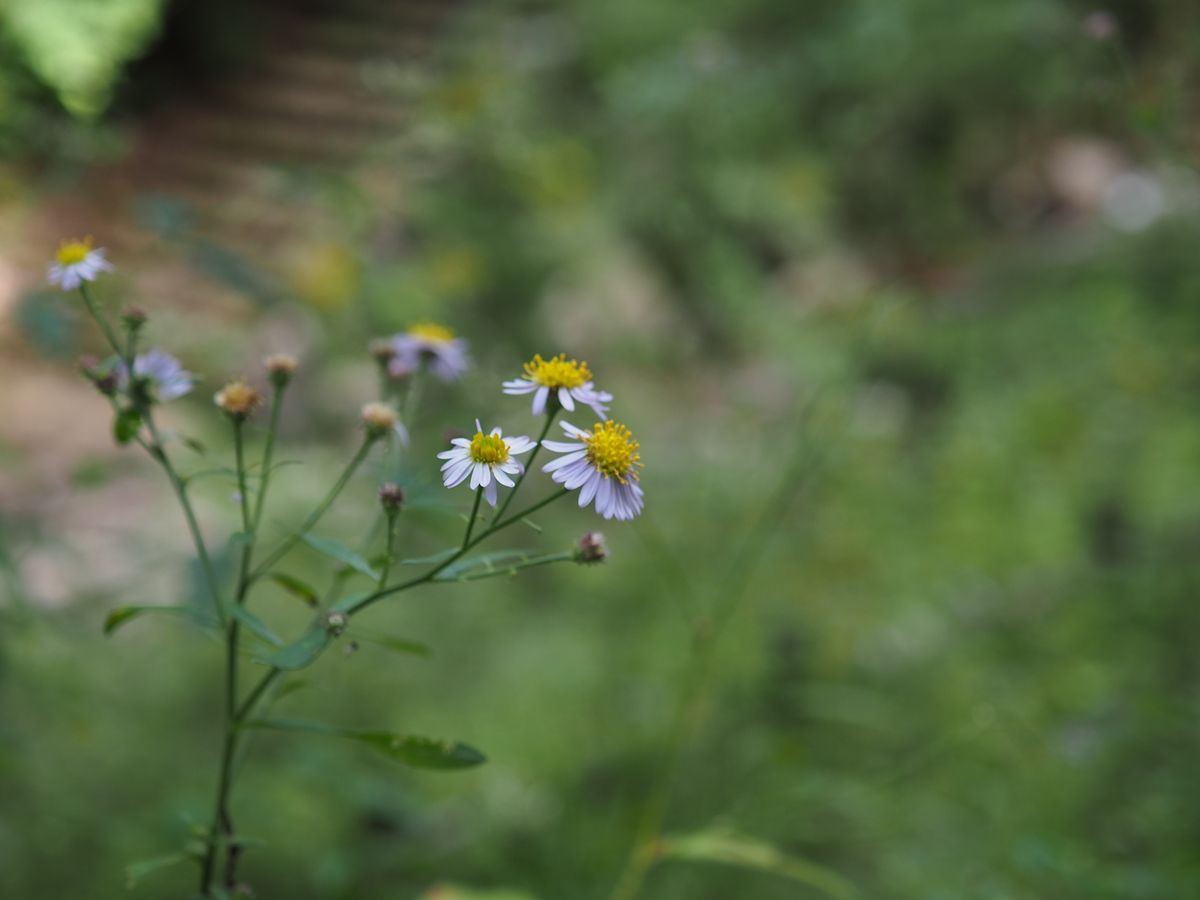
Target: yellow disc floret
(431, 331)
(72, 252)
(558, 372)
(612, 451)
(488, 448)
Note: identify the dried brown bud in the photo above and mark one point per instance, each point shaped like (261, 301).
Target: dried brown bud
(391, 498)
(134, 317)
(280, 368)
(591, 548)
(379, 419)
(238, 400)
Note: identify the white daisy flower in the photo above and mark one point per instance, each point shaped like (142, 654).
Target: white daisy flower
(433, 345)
(164, 373)
(75, 263)
(567, 381)
(602, 464)
(487, 459)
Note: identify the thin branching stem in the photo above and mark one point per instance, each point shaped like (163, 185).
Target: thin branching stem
(550, 414)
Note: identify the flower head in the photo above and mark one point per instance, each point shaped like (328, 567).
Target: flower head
(162, 374)
(280, 368)
(564, 380)
(380, 420)
(603, 465)
(430, 344)
(77, 262)
(238, 400)
(486, 458)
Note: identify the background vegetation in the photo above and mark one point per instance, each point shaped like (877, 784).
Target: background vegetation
(900, 300)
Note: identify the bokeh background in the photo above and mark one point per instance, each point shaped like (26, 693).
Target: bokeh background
(901, 301)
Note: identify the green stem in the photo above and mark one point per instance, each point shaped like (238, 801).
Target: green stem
(268, 452)
(528, 463)
(471, 522)
(436, 570)
(386, 569)
(109, 334)
(315, 516)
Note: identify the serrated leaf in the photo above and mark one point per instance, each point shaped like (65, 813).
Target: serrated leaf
(135, 872)
(255, 624)
(299, 653)
(295, 587)
(342, 554)
(126, 425)
(412, 750)
(720, 845)
(123, 614)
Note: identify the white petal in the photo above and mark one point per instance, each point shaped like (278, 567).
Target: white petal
(589, 489)
(563, 446)
(499, 474)
(539, 400)
(489, 493)
(564, 461)
(564, 397)
(477, 471)
(572, 430)
(461, 442)
(577, 475)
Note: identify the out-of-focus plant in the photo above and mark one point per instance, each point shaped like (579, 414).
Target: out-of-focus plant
(602, 464)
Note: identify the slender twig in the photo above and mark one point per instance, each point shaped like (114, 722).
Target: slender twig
(268, 452)
(471, 521)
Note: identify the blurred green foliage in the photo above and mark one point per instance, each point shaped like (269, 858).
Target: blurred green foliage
(963, 664)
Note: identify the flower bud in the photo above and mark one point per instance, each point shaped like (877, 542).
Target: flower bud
(379, 419)
(134, 317)
(335, 622)
(382, 349)
(391, 498)
(591, 548)
(280, 368)
(399, 368)
(238, 400)
(103, 376)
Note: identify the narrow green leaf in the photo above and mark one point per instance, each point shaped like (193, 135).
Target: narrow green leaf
(399, 645)
(137, 871)
(440, 556)
(342, 554)
(499, 561)
(126, 425)
(299, 653)
(720, 845)
(295, 587)
(255, 624)
(419, 752)
(123, 614)
(240, 538)
(192, 444)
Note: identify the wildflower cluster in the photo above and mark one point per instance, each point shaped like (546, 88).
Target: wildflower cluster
(601, 463)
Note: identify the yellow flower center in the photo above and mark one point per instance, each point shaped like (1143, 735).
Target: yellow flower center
(488, 448)
(612, 450)
(558, 372)
(72, 252)
(431, 331)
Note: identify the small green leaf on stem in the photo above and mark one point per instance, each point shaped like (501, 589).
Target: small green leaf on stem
(721, 845)
(419, 752)
(301, 652)
(399, 645)
(126, 425)
(295, 587)
(122, 614)
(137, 871)
(342, 554)
(255, 624)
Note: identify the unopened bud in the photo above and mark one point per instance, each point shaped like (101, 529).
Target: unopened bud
(382, 349)
(280, 368)
(238, 400)
(379, 419)
(335, 623)
(391, 498)
(591, 548)
(134, 317)
(104, 377)
(399, 368)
